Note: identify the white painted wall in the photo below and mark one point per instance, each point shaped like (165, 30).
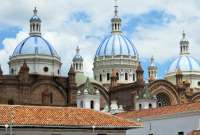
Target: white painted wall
(145, 103)
(169, 126)
(86, 99)
(122, 65)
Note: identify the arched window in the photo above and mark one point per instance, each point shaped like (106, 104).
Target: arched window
(33, 27)
(150, 105)
(11, 102)
(81, 104)
(133, 77)
(100, 77)
(117, 74)
(140, 106)
(12, 71)
(91, 104)
(163, 99)
(126, 76)
(79, 66)
(76, 66)
(37, 27)
(108, 76)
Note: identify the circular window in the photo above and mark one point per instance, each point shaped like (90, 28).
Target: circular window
(46, 69)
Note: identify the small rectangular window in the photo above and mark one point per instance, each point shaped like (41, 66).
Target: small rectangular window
(133, 77)
(180, 133)
(108, 76)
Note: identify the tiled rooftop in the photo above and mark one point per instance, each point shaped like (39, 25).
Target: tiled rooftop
(195, 132)
(60, 116)
(162, 111)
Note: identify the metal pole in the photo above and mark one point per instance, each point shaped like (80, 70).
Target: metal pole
(11, 121)
(6, 128)
(93, 127)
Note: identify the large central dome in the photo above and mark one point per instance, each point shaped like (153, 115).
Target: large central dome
(117, 52)
(35, 45)
(116, 44)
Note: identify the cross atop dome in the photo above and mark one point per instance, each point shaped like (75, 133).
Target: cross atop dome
(77, 50)
(35, 11)
(116, 8)
(183, 34)
(116, 21)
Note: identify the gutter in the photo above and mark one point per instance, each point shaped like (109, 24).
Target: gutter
(73, 127)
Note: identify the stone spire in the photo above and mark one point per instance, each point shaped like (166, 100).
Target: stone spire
(35, 24)
(184, 45)
(77, 50)
(139, 73)
(24, 68)
(24, 73)
(113, 78)
(116, 21)
(152, 70)
(179, 77)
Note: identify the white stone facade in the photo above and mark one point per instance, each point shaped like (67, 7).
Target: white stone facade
(193, 77)
(124, 66)
(145, 104)
(86, 100)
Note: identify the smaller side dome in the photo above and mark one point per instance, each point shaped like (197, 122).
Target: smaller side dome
(184, 63)
(35, 45)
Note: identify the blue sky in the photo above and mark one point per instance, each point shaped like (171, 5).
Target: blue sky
(155, 27)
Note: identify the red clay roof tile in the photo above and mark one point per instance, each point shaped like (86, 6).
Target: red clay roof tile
(60, 116)
(162, 111)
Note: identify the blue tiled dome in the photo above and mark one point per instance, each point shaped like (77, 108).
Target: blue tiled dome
(184, 63)
(116, 44)
(35, 18)
(35, 45)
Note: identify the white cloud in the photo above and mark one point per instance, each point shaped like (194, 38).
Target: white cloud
(162, 41)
